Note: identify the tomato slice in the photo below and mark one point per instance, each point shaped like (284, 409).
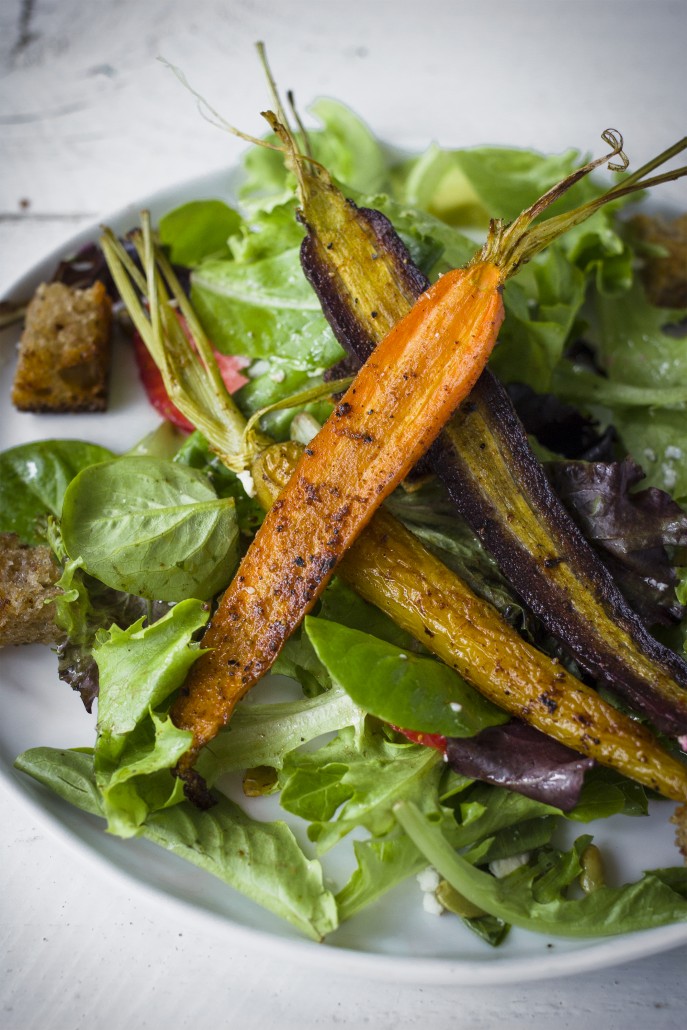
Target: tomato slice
(229, 365)
(435, 740)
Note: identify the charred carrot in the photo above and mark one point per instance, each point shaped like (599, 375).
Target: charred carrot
(392, 569)
(384, 423)
(325, 507)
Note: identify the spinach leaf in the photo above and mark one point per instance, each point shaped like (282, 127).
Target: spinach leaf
(33, 480)
(196, 453)
(400, 687)
(198, 230)
(151, 527)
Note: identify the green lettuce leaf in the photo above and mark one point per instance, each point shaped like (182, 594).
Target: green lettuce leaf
(136, 747)
(542, 304)
(198, 230)
(156, 658)
(261, 860)
(354, 781)
(642, 390)
(265, 734)
(344, 145)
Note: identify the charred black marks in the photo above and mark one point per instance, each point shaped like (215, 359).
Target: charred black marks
(552, 563)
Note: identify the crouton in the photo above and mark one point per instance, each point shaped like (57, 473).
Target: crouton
(64, 351)
(27, 581)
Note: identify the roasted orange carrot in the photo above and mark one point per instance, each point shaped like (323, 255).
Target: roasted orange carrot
(384, 423)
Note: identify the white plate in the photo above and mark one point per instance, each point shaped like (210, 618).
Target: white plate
(394, 939)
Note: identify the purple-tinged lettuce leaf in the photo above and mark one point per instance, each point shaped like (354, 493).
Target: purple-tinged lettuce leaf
(636, 533)
(84, 607)
(522, 759)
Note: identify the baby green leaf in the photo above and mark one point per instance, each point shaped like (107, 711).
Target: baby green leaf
(152, 528)
(398, 686)
(33, 479)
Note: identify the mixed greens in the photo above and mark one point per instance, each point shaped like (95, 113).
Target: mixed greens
(169, 523)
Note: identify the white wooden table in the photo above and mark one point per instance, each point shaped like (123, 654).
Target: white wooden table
(90, 121)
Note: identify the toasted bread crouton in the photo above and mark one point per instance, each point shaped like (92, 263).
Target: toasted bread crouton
(64, 352)
(27, 581)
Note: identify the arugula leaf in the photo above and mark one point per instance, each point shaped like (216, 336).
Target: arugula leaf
(33, 481)
(150, 527)
(261, 860)
(400, 687)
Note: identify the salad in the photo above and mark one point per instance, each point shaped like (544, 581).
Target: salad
(374, 743)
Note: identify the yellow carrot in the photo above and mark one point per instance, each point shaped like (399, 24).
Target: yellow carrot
(392, 569)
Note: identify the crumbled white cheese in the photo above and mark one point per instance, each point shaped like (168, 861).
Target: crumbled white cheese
(247, 482)
(673, 452)
(278, 376)
(455, 707)
(428, 880)
(404, 656)
(669, 476)
(258, 368)
(431, 904)
(649, 454)
(501, 867)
